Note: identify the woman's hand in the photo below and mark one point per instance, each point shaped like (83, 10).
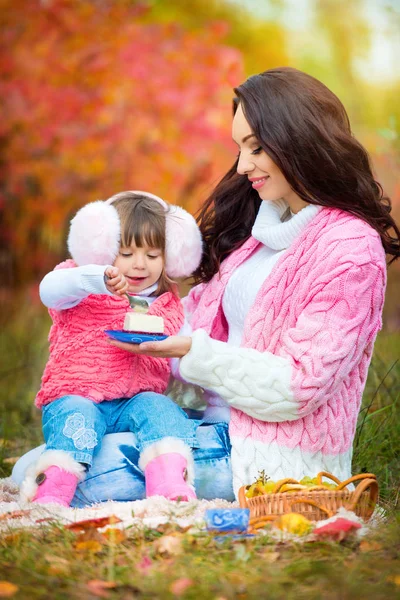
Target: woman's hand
(115, 281)
(175, 346)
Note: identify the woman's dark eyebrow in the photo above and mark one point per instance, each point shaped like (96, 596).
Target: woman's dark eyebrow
(246, 137)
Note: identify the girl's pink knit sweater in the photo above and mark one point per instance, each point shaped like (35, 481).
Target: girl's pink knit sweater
(82, 361)
(296, 383)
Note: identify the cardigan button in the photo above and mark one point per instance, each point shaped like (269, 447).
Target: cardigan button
(40, 478)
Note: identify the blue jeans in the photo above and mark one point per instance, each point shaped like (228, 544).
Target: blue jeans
(77, 425)
(115, 475)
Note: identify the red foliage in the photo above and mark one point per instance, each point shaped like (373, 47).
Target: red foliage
(98, 100)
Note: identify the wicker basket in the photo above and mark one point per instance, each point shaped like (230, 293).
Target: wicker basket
(315, 505)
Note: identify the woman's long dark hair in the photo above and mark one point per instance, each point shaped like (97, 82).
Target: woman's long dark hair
(305, 129)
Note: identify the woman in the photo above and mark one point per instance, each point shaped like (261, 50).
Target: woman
(289, 296)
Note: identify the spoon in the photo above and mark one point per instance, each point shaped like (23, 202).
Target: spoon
(135, 303)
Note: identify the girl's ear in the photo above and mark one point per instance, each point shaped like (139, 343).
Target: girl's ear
(95, 234)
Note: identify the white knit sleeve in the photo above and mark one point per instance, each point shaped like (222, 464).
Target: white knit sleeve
(258, 383)
(65, 288)
(329, 339)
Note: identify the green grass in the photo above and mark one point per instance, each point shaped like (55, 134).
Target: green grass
(46, 563)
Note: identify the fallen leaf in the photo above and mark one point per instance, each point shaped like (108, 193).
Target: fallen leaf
(93, 523)
(369, 546)
(91, 535)
(51, 558)
(11, 460)
(270, 557)
(144, 565)
(8, 589)
(89, 546)
(12, 538)
(15, 514)
(179, 586)
(57, 565)
(115, 536)
(45, 520)
(394, 579)
(99, 588)
(168, 545)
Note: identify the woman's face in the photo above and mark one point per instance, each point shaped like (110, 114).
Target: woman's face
(260, 169)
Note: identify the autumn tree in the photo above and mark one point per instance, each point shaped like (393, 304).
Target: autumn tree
(98, 99)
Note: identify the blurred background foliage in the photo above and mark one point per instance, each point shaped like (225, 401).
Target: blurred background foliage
(105, 95)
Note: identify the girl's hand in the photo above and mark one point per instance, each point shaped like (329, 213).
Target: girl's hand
(115, 281)
(175, 346)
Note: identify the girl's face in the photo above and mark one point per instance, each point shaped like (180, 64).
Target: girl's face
(254, 162)
(142, 267)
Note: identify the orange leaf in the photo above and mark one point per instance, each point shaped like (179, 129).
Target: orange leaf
(179, 586)
(168, 545)
(93, 523)
(57, 565)
(116, 536)
(99, 588)
(15, 514)
(12, 538)
(89, 546)
(369, 546)
(7, 589)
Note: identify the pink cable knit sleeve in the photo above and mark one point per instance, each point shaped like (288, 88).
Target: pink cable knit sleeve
(334, 334)
(309, 342)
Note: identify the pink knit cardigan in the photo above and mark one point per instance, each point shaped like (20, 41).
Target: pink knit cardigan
(82, 361)
(320, 309)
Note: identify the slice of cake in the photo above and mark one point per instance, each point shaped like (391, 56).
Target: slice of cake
(140, 322)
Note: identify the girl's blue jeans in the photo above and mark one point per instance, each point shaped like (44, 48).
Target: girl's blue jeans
(114, 473)
(77, 425)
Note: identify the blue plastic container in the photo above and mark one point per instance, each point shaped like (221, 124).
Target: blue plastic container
(234, 520)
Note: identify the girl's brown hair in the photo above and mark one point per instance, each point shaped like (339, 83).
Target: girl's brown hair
(305, 129)
(143, 222)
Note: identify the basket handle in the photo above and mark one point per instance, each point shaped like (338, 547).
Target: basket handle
(328, 476)
(312, 503)
(359, 477)
(242, 497)
(372, 484)
(283, 482)
(259, 522)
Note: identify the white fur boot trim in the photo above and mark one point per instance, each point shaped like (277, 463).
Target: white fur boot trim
(169, 445)
(50, 458)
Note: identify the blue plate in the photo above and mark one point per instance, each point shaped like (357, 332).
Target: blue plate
(132, 337)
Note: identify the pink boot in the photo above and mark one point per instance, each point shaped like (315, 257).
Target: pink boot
(53, 479)
(168, 468)
(55, 485)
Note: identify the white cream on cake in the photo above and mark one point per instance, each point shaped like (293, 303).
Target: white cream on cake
(136, 321)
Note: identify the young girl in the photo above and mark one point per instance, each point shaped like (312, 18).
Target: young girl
(133, 243)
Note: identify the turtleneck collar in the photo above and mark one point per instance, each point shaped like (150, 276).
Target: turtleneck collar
(269, 229)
